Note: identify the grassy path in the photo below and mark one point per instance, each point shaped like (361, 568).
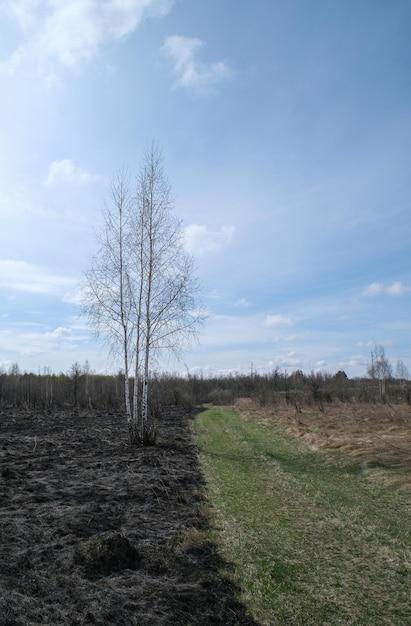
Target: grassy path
(312, 539)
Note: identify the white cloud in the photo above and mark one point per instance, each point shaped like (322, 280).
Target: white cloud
(357, 361)
(289, 339)
(396, 289)
(74, 296)
(22, 276)
(290, 361)
(273, 321)
(372, 344)
(215, 294)
(66, 171)
(16, 204)
(366, 344)
(69, 32)
(189, 72)
(58, 333)
(22, 342)
(200, 240)
(242, 303)
(21, 11)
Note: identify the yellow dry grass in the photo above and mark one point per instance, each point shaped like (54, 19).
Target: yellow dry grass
(377, 435)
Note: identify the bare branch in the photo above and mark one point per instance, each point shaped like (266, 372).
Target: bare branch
(139, 292)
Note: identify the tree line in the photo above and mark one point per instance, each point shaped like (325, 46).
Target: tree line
(82, 390)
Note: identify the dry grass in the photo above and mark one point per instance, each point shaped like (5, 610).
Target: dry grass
(377, 435)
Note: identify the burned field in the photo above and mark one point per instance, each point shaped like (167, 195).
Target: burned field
(95, 531)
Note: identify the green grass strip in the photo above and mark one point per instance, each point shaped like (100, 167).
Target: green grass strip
(311, 538)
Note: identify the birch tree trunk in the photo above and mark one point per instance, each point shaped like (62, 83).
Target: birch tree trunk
(168, 316)
(139, 291)
(106, 293)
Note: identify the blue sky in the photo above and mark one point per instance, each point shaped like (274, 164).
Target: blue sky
(285, 128)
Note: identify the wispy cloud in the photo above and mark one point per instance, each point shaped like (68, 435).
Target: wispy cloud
(30, 278)
(66, 171)
(396, 289)
(188, 70)
(355, 361)
(36, 342)
(200, 240)
(215, 294)
(242, 303)
(16, 204)
(371, 344)
(274, 321)
(67, 33)
(289, 339)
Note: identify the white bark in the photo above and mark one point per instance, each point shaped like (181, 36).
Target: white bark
(380, 369)
(140, 288)
(106, 298)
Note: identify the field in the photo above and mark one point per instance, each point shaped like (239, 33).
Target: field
(313, 509)
(377, 435)
(269, 516)
(94, 531)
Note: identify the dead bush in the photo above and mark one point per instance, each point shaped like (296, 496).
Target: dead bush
(106, 553)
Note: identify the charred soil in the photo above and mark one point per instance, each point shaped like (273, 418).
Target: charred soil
(96, 531)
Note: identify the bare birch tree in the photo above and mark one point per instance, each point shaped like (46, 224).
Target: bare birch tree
(166, 304)
(140, 291)
(401, 372)
(380, 369)
(106, 292)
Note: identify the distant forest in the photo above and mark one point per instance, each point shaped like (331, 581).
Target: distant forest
(81, 389)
